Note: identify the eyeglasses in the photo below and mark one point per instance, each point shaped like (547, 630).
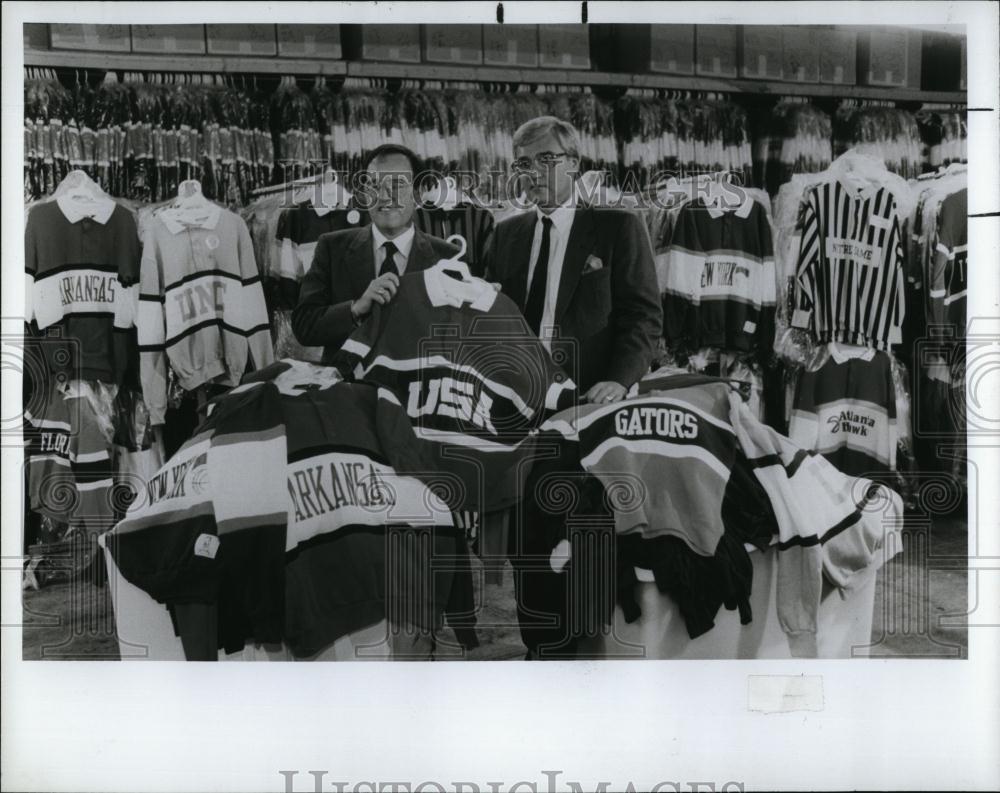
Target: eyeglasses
(545, 159)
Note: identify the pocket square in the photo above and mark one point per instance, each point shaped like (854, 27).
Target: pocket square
(593, 263)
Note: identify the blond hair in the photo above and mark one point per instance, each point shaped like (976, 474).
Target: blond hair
(564, 132)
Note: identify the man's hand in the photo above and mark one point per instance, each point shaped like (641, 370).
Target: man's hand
(381, 291)
(606, 392)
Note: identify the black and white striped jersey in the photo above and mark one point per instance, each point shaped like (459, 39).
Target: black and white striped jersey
(850, 266)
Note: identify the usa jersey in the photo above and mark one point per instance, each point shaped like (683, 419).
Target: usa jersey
(850, 267)
(459, 359)
(846, 410)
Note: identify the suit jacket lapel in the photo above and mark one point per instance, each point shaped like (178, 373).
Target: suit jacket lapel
(421, 255)
(361, 260)
(581, 241)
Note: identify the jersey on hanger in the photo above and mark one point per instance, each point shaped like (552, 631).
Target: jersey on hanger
(201, 306)
(80, 275)
(298, 231)
(68, 457)
(948, 277)
(719, 281)
(459, 359)
(846, 410)
(850, 266)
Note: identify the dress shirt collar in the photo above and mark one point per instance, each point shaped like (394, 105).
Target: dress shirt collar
(561, 216)
(403, 243)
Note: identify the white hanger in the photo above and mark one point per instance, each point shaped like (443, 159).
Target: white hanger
(455, 265)
(189, 195)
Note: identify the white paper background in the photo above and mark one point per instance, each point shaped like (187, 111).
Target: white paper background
(898, 724)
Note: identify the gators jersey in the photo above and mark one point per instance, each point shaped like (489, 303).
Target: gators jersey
(948, 277)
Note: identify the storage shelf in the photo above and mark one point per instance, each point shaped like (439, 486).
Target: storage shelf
(479, 74)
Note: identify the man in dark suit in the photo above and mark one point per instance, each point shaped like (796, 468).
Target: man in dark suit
(584, 279)
(356, 268)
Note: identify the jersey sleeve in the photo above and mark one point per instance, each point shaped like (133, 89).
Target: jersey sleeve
(681, 284)
(356, 350)
(767, 297)
(252, 319)
(127, 251)
(897, 283)
(807, 267)
(30, 268)
(942, 257)
(151, 326)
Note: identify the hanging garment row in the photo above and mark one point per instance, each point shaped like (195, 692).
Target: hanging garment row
(141, 136)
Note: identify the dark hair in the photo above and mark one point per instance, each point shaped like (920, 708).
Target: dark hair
(416, 164)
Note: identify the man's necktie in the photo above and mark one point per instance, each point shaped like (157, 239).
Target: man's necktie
(535, 303)
(389, 263)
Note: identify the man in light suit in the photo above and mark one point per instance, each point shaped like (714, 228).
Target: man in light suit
(584, 279)
(356, 268)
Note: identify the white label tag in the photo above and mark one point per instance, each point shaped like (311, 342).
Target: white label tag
(749, 327)
(206, 545)
(800, 318)
(895, 336)
(838, 74)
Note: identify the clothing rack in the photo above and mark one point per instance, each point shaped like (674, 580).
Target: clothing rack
(245, 67)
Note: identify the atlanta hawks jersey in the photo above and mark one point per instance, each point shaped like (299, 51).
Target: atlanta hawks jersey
(846, 410)
(459, 359)
(850, 266)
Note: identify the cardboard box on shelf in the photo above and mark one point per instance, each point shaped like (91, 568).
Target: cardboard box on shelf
(36, 36)
(671, 49)
(564, 46)
(510, 45)
(392, 43)
(761, 54)
(241, 40)
(101, 38)
(799, 54)
(716, 48)
(889, 56)
(309, 41)
(182, 39)
(838, 56)
(453, 43)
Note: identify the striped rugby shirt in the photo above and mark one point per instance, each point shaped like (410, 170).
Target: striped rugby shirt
(846, 410)
(719, 282)
(201, 305)
(68, 457)
(472, 222)
(949, 274)
(298, 231)
(850, 266)
(462, 362)
(80, 273)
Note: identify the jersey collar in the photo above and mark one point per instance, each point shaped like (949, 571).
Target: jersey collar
(101, 211)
